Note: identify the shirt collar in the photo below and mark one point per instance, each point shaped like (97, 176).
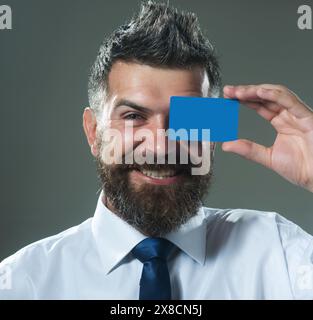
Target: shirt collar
(115, 238)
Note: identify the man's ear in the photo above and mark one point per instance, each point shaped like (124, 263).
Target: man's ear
(90, 128)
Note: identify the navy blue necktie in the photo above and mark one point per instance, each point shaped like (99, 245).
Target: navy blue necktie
(155, 280)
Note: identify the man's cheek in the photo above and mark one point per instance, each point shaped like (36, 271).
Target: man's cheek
(128, 146)
(111, 149)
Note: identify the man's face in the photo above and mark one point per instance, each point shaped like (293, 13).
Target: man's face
(155, 198)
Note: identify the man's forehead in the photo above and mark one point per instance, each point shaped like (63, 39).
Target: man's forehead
(130, 78)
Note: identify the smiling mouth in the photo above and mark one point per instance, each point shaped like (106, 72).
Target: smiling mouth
(161, 175)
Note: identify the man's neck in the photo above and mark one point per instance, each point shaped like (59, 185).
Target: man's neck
(106, 202)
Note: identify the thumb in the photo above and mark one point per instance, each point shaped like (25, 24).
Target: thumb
(249, 150)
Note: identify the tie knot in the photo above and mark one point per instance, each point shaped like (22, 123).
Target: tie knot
(152, 248)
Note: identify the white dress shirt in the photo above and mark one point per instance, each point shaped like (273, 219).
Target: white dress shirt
(220, 254)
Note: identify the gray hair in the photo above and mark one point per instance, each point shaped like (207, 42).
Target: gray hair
(160, 36)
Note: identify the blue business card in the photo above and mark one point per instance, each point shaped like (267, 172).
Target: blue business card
(195, 114)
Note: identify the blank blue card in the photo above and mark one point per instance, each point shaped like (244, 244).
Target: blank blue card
(219, 115)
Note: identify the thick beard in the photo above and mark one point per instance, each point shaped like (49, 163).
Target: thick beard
(154, 210)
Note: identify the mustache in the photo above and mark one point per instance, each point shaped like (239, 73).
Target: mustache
(176, 166)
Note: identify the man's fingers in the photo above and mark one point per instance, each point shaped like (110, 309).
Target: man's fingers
(252, 101)
(249, 150)
(242, 92)
(265, 112)
(275, 97)
(249, 93)
(286, 100)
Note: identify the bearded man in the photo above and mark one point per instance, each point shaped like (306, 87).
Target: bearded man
(151, 237)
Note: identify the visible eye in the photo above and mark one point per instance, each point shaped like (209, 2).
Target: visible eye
(133, 116)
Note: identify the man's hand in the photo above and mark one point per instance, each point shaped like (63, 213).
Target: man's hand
(291, 155)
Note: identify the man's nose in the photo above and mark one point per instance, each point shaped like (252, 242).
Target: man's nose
(157, 143)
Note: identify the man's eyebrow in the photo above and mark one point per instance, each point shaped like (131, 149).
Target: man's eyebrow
(128, 103)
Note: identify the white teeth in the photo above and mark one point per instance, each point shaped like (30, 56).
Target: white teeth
(158, 174)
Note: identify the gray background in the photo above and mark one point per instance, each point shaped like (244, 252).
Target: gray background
(48, 177)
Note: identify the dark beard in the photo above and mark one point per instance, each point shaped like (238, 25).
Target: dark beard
(154, 210)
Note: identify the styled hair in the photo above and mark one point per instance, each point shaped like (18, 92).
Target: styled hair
(159, 36)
